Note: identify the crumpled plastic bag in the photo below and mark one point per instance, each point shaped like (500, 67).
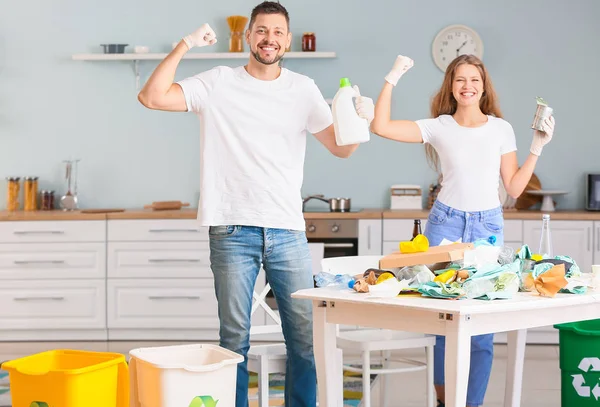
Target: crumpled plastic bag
(493, 282)
(416, 275)
(441, 290)
(483, 254)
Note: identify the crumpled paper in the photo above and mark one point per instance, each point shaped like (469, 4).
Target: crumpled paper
(549, 282)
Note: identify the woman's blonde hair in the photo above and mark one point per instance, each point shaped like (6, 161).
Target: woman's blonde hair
(445, 103)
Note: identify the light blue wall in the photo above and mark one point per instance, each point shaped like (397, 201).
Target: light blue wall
(52, 108)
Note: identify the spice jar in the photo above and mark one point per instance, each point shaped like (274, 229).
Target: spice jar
(12, 193)
(47, 200)
(30, 188)
(236, 42)
(309, 42)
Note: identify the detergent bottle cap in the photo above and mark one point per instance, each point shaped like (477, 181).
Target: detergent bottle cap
(344, 82)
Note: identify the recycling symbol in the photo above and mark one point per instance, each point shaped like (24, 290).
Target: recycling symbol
(203, 401)
(587, 365)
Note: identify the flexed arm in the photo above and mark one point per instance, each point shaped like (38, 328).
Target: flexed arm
(160, 92)
(400, 130)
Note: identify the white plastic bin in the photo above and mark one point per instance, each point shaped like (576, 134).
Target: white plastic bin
(183, 376)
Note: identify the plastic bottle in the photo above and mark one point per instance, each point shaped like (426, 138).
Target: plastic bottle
(324, 279)
(546, 240)
(349, 127)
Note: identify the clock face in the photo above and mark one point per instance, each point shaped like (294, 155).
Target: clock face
(454, 41)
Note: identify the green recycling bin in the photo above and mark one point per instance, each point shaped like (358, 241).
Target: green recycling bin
(579, 344)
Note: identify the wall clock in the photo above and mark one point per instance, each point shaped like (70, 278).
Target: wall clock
(453, 41)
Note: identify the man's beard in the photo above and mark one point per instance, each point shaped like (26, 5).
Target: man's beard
(264, 61)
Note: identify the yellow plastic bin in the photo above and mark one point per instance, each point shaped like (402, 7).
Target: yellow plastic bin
(197, 375)
(69, 378)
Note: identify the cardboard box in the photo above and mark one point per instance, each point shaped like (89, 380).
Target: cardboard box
(435, 254)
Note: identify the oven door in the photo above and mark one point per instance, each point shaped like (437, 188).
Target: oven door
(337, 247)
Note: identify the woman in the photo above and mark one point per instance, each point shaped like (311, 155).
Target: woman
(472, 146)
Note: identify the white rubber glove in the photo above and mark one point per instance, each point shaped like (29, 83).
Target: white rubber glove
(401, 65)
(202, 37)
(364, 106)
(541, 138)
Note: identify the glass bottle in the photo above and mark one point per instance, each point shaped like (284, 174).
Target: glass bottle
(416, 229)
(30, 187)
(13, 193)
(545, 249)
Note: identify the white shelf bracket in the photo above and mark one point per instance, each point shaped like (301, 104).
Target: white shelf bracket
(136, 70)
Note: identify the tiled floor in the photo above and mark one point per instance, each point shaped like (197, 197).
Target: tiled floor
(541, 381)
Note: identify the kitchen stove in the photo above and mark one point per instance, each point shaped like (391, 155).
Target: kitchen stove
(322, 210)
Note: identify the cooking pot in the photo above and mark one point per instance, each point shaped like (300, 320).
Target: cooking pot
(335, 204)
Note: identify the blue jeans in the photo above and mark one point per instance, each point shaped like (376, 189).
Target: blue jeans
(236, 255)
(452, 224)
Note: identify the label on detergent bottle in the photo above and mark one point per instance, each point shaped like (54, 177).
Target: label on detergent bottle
(203, 401)
(349, 127)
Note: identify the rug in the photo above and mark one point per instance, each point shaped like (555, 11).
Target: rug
(352, 388)
(4, 389)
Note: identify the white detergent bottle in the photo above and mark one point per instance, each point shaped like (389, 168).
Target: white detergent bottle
(349, 127)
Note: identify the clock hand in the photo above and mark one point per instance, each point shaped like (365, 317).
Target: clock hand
(458, 49)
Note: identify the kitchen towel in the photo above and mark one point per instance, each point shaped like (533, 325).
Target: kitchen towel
(317, 253)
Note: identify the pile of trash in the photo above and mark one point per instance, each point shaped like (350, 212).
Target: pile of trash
(485, 271)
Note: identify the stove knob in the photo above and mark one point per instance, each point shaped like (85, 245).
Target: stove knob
(312, 228)
(335, 228)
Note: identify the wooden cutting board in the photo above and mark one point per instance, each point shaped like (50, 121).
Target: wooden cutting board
(166, 205)
(526, 201)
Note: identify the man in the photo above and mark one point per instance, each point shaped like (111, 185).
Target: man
(254, 120)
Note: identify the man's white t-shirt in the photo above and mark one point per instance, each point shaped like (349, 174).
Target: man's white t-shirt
(469, 159)
(252, 144)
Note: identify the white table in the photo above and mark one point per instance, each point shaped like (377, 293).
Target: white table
(458, 320)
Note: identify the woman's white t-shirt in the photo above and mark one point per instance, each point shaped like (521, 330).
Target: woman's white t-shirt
(469, 160)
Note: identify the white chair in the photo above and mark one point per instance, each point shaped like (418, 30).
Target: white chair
(370, 340)
(268, 358)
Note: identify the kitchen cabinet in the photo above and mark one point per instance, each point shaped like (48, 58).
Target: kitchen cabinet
(53, 280)
(159, 282)
(150, 279)
(569, 238)
(513, 233)
(370, 237)
(396, 231)
(597, 242)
